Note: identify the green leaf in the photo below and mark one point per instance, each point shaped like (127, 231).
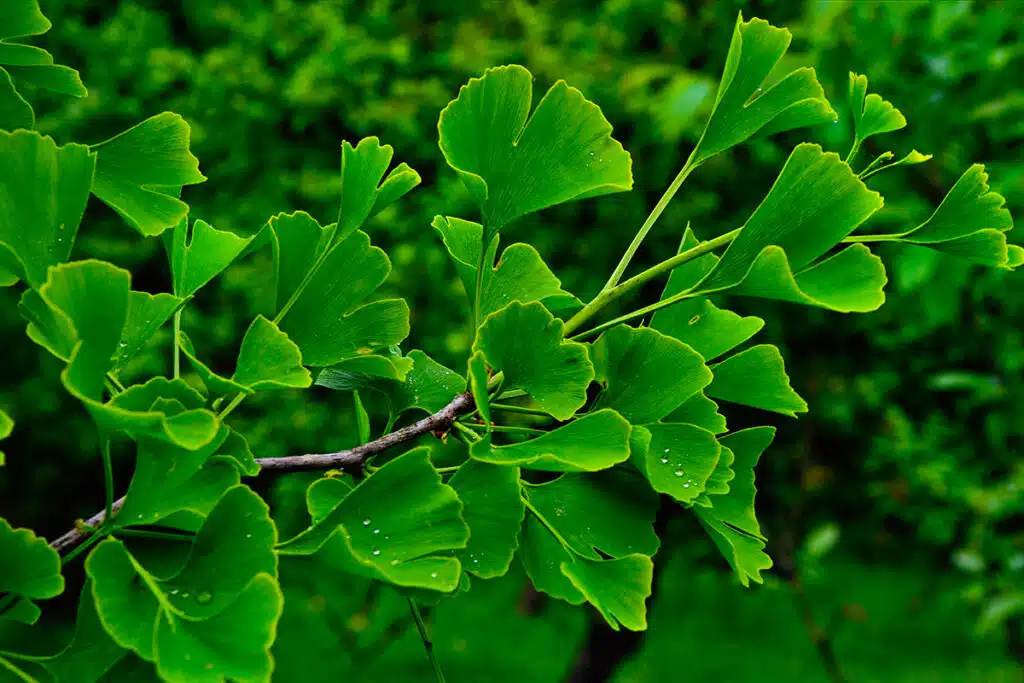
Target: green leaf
(146, 314)
(161, 409)
(15, 112)
(407, 545)
(226, 586)
(267, 360)
(646, 374)
(876, 166)
(494, 511)
(363, 194)
(757, 378)
(520, 275)
(678, 459)
(730, 521)
(365, 372)
(330, 321)
(594, 442)
(525, 342)
(54, 77)
(744, 107)
(29, 567)
(609, 513)
(514, 162)
(91, 652)
(701, 411)
(6, 427)
(871, 114)
(815, 202)
(618, 588)
(543, 557)
(478, 379)
(970, 223)
(136, 169)
(199, 255)
(43, 189)
(23, 19)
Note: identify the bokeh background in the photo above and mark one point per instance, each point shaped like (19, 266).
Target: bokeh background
(894, 510)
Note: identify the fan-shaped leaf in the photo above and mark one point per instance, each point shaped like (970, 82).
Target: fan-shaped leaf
(146, 314)
(646, 374)
(514, 162)
(757, 378)
(677, 459)
(871, 114)
(363, 195)
(743, 109)
(43, 191)
(525, 342)
(594, 442)
(701, 411)
(200, 254)
(618, 588)
(493, 510)
(136, 169)
(29, 567)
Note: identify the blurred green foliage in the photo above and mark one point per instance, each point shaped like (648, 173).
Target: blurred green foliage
(909, 459)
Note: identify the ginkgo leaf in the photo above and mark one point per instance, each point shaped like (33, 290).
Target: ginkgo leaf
(363, 194)
(743, 107)
(43, 190)
(526, 343)
(707, 329)
(330, 320)
(730, 520)
(136, 169)
(162, 409)
(298, 243)
(6, 427)
(757, 378)
(617, 588)
(878, 164)
(147, 313)
(478, 379)
(520, 274)
(701, 411)
(514, 162)
(91, 652)
(815, 202)
(871, 114)
(29, 567)
(594, 442)
(609, 513)
(28, 63)
(493, 509)
(15, 112)
(267, 360)
(718, 483)
(646, 374)
(200, 254)
(406, 545)
(543, 557)
(365, 372)
(678, 459)
(970, 223)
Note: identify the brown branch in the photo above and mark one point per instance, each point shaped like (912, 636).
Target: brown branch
(351, 459)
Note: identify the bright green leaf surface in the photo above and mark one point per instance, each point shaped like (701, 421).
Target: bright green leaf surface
(742, 109)
(757, 378)
(520, 274)
(27, 63)
(365, 372)
(268, 359)
(543, 556)
(136, 168)
(679, 459)
(15, 112)
(28, 565)
(142, 412)
(618, 588)
(704, 327)
(146, 314)
(701, 411)
(493, 510)
(525, 342)
(646, 374)
(514, 162)
(200, 254)
(871, 114)
(43, 192)
(402, 544)
(611, 512)
(913, 157)
(363, 194)
(594, 442)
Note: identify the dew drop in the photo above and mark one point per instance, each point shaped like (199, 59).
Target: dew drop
(680, 473)
(376, 552)
(248, 535)
(668, 450)
(376, 531)
(394, 562)
(204, 598)
(664, 461)
(759, 90)
(185, 595)
(686, 486)
(433, 575)
(476, 561)
(174, 591)
(366, 522)
(140, 516)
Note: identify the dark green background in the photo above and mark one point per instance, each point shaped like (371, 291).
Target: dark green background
(911, 451)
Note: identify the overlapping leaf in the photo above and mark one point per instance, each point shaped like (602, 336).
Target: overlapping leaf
(407, 545)
(871, 114)
(43, 190)
(756, 377)
(743, 107)
(147, 313)
(200, 254)
(138, 170)
(701, 411)
(514, 162)
(677, 459)
(493, 510)
(324, 292)
(970, 223)
(594, 442)
(520, 274)
(227, 586)
(525, 342)
(365, 191)
(730, 520)
(29, 568)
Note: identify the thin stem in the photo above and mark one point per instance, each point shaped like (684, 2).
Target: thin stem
(239, 397)
(510, 429)
(94, 538)
(518, 409)
(652, 218)
(853, 150)
(873, 167)
(871, 238)
(479, 289)
(633, 315)
(427, 645)
(668, 265)
(466, 431)
(108, 480)
(112, 378)
(177, 344)
(550, 527)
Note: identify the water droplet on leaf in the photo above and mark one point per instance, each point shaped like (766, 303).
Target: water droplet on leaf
(366, 522)
(680, 473)
(376, 552)
(204, 598)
